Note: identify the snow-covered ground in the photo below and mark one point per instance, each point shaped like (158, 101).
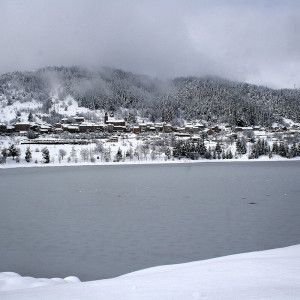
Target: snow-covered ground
(145, 162)
(13, 281)
(69, 107)
(130, 145)
(271, 274)
(9, 112)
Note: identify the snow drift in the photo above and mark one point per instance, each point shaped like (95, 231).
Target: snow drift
(271, 274)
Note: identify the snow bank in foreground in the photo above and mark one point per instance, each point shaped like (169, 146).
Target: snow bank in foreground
(272, 274)
(13, 281)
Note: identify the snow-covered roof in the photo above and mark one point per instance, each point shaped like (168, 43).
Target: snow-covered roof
(195, 136)
(91, 124)
(199, 125)
(23, 123)
(113, 119)
(45, 127)
(245, 128)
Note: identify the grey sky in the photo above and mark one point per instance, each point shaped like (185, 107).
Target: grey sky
(255, 41)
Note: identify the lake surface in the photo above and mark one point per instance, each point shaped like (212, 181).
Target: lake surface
(102, 221)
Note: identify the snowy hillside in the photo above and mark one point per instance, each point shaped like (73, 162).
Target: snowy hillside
(8, 113)
(62, 91)
(271, 274)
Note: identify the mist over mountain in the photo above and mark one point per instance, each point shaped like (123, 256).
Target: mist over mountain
(183, 98)
(254, 41)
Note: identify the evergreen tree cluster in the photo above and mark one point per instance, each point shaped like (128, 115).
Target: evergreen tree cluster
(11, 151)
(259, 148)
(241, 146)
(282, 149)
(195, 150)
(189, 149)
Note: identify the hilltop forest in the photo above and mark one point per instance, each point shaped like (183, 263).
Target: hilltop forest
(211, 99)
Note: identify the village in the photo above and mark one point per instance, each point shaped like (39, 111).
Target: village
(112, 126)
(115, 139)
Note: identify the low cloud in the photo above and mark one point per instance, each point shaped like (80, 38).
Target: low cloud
(254, 41)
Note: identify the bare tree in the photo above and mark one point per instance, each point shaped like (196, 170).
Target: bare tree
(62, 153)
(84, 153)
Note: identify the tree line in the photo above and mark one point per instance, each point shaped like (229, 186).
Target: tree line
(169, 149)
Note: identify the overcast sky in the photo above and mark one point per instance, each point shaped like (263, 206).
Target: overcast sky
(255, 40)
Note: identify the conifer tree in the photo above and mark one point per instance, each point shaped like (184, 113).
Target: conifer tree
(30, 117)
(200, 148)
(241, 146)
(208, 154)
(218, 149)
(28, 155)
(294, 150)
(214, 155)
(168, 153)
(223, 154)
(13, 151)
(4, 152)
(282, 151)
(275, 148)
(229, 154)
(46, 155)
(119, 155)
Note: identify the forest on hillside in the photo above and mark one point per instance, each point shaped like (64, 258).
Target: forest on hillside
(186, 98)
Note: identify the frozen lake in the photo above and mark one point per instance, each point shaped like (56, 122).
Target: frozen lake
(100, 222)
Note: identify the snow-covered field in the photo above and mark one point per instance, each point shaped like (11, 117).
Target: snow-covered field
(271, 274)
(146, 162)
(88, 154)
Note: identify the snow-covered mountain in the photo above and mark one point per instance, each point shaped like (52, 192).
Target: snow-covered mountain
(56, 91)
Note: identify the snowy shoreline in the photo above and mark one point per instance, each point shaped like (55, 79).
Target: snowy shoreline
(268, 274)
(144, 163)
